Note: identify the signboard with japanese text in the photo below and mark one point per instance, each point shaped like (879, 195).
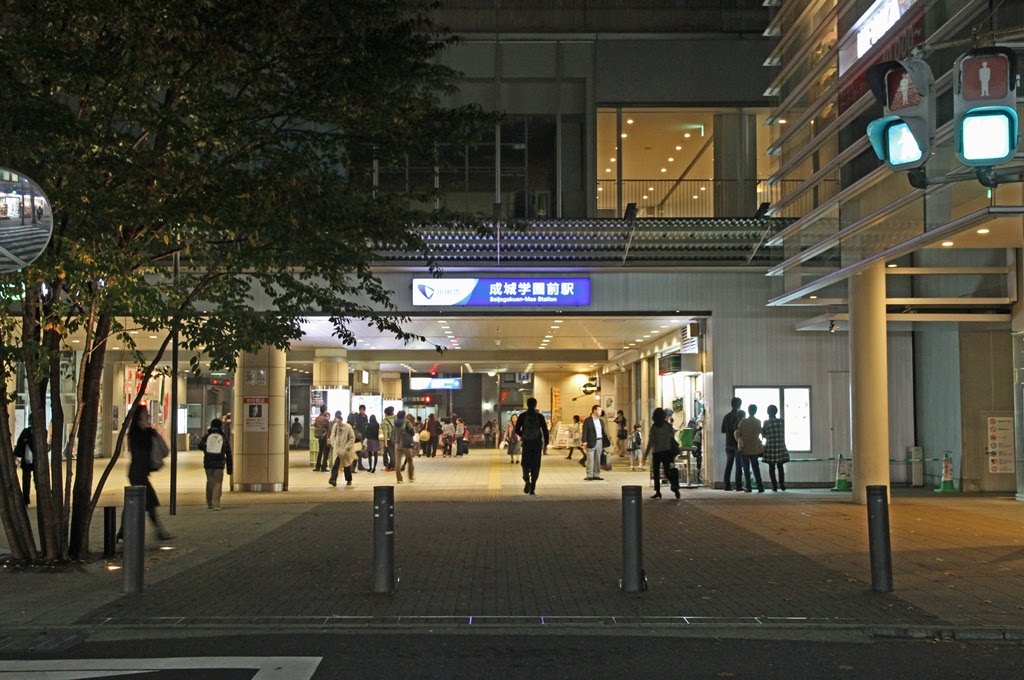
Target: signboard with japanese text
(421, 383)
(505, 291)
(255, 411)
(1000, 449)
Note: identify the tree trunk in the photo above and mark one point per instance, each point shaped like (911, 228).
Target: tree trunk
(81, 518)
(12, 507)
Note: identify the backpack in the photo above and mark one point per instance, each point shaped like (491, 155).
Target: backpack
(214, 443)
(531, 426)
(405, 435)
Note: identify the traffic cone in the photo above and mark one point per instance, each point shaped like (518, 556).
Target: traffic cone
(842, 478)
(947, 476)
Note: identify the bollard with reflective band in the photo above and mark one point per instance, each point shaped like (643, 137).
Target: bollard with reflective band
(633, 578)
(109, 531)
(878, 539)
(383, 539)
(133, 524)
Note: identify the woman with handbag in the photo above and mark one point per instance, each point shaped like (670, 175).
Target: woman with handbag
(148, 451)
(661, 442)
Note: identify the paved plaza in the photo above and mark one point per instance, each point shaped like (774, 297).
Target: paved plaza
(473, 550)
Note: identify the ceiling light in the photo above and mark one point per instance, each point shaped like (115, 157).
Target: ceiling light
(983, 231)
(687, 135)
(645, 197)
(782, 121)
(548, 337)
(947, 244)
(134, 332)
(612, 160)
(813, 297)
(639, 340)
(559, 321)
(76, 341)
(650, 188)
(152, 337)
(600, 189)
(664, 169)
(678, 148)
(703, 188)
(442, 322)
(607, 169)
(695, 197)
(671, 160)
(629, 121)
(554, 328)
(624, 135)
(665, 326)
(891, 265)
(115, 348)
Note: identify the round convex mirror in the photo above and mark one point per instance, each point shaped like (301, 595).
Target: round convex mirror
(26, 221)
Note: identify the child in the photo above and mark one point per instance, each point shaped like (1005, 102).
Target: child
(636, 449)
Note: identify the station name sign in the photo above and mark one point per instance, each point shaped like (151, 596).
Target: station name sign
(505, 291)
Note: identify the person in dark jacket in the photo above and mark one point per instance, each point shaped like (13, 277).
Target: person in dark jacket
(25, 450)
(659, 443)
(532, 429)
(216, 457)
(729, 423)
(141, 440)
(371, 445)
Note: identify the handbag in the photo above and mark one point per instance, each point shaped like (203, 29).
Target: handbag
(676, 450)
(605, 465)
(605, 441)
(157, 452)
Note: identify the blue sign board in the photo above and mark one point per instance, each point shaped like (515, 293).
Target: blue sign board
(506, 291)
(418, 383)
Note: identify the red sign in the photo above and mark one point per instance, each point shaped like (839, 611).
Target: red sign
(900, 90)
(984, 77)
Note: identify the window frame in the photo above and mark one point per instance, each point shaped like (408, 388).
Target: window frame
(781, 403)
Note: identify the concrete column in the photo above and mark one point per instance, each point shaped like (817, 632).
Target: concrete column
(735, 164)
(645, 389)
(330, 368)
(391, 385)
(260, 423)
(869, 378)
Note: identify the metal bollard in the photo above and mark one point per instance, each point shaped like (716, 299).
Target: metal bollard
(109, 531)
(134, 528)
(634, 580)
(383, 539)
(878, 539)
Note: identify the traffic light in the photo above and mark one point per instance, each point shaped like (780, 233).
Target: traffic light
(985, 122)
(903, 137)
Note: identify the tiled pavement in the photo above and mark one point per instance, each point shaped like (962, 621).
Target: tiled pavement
(714, 558)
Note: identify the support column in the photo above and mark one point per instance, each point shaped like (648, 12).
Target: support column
(330, 368)
(645, 389)
(869, 378)
(259, 440)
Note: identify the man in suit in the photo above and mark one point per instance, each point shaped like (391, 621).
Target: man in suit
(594, 438)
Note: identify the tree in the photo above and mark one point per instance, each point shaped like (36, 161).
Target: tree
(236, 136)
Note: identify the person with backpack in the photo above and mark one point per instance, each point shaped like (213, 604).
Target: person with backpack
(532, 430)
(405, 442)
(387, 431)
(216, 458)
(143, 440)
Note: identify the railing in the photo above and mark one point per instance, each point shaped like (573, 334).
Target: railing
(694, 197)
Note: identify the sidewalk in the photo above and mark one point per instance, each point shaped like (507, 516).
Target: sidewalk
(472, 549)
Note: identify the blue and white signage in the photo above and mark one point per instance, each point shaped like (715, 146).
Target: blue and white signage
(417, 383)
(509, 291)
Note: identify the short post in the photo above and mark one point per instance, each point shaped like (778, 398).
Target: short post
(109, 531)
(383, 539)
(134, 528)
(633, 578)
(878, 539)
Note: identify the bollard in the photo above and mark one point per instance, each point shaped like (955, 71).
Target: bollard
(383, 539)
(878, 539)
(109, 531)
(133, 524)
(633, 578)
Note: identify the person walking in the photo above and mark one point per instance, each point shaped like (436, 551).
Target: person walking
(621, 433)
(387, 431)
(532, 430)
(595, 439)
(343, 449)
(359, 423)
(142, 439)
(216, 458)
(405, 442)
(775, 452)
(576, 440)
(512, 439)
(661, 445)
(321, 429)
(636, 448)
(434, 428)
(25, 451)
(488, 435)
(729, 423)
(372, 443)
(748, 437)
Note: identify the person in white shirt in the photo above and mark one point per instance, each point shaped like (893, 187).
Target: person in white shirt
(595, 439)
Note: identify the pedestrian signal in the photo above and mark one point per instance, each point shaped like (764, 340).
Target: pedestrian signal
(903, 136)
(985, 124)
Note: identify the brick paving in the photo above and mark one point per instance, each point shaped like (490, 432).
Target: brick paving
(469, 543)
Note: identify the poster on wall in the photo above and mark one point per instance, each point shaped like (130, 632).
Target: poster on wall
(999, 446)
(556, 405)
(256, 412)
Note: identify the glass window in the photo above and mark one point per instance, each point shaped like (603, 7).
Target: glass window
(794, 405)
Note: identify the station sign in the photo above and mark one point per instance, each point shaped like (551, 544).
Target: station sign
(417, 383)
(505, 292)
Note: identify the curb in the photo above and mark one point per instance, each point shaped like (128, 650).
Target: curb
(934, 633)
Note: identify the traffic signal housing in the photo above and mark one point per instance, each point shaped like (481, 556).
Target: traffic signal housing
(903, 136)
(985, 124)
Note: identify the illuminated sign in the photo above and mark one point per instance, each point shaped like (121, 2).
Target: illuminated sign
(506, 291)
(876, 23)
(416, 383)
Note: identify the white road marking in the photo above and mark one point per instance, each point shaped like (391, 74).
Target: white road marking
(267, 667)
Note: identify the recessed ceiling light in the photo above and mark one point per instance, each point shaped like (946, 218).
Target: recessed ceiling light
(782, 121)
(624, 135)
(442, 322)
(559, 321)
(612, 160)
(645, 197)
(600, 189)
(650, 188)
(134, 332)
(639, 339)
(703, 188)
(664, 169)
(554, 328)
(947, 244)
(548, 337)
(152, 337)
(665, 326)
(983, 231)
(678, 148)
(813, 297)
(891, 265)
(115, 348)
(629, 121)
(671, 159)
(687, 135)
(695, 197)
(76, 341)
(607, 169)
